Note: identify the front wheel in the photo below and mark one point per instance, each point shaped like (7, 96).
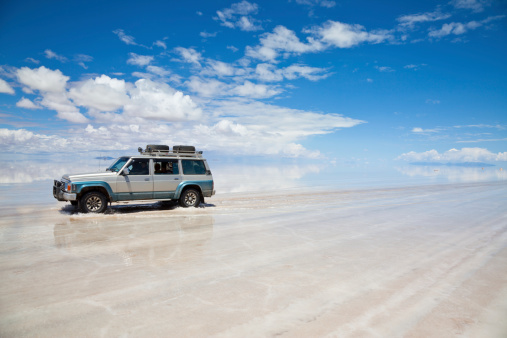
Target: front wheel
(93, 201)
(190, 198)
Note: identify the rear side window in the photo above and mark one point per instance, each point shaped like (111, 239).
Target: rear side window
(193, 167)
(165, 167)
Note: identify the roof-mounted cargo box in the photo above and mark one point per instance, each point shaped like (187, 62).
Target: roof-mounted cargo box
(157, 148)
(183, 149)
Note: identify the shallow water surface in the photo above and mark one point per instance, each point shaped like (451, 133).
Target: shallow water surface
(278, 251)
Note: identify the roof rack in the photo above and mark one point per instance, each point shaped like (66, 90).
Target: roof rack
(165, 151)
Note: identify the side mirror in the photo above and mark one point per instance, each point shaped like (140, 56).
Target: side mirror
(125, 171)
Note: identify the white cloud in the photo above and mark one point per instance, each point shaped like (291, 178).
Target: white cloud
(282, 40)
(458, 28)
(160, 43)
(409, 21)
(26, 103)
(129, 40)
(32, 60)
(5, 87)
(42, 79)
(160, 71)
(474, 5)
(238, 16)
(234, 49)
(206, 35)
(418, 130)
(139, 60)
(156, 100)
(206, 87)
(343, 35)
(52, 55)
(384, 69)
(219, 68)
(65, 109)
(269, 73)
(102, 93)
(455, 156)
(82, 58)
(258, 91)
(188, 55)
(52, 85)
(322, 3)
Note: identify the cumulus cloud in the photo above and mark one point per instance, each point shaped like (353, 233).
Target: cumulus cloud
(139, 60)
(455, 156)
(52, 86)
(239, 16)
(102, 93)
(157, 100)
(42, 79)
(5, 87)
(26, 103)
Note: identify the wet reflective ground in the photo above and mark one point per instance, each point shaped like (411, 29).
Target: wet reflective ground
(416, 261)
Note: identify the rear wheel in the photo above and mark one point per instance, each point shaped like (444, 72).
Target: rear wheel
(94, 201)
(190, 198)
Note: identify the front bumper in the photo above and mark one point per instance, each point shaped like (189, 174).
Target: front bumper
(61, 195)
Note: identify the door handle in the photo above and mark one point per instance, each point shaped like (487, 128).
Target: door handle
(147, 179)
(177, 178)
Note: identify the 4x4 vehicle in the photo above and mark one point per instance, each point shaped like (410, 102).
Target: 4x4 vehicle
(157, 173)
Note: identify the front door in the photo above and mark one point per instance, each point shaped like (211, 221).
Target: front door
(138, 184)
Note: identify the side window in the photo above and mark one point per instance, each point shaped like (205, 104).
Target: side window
(193, 167)
(166, 167)
(139, 167)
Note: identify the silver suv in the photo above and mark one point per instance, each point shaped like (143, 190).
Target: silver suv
(157, 173)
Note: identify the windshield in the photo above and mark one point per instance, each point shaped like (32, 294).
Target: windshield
(118, 164)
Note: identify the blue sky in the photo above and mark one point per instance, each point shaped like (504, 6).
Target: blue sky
(341, 81)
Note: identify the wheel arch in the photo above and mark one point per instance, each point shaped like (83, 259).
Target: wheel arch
(102, 187)
(188, 185)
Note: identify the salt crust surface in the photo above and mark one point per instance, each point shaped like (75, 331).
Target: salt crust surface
(414, 261)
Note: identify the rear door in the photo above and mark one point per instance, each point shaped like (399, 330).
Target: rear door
(166, 178)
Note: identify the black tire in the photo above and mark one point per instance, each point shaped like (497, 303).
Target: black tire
(94, 202)
(190, 198)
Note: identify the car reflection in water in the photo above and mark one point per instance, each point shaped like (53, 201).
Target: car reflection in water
(130, 240)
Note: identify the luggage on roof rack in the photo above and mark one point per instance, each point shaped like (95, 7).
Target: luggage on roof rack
(157, 147)
(183, 149)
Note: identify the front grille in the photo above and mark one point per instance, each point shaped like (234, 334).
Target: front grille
(59, 185)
